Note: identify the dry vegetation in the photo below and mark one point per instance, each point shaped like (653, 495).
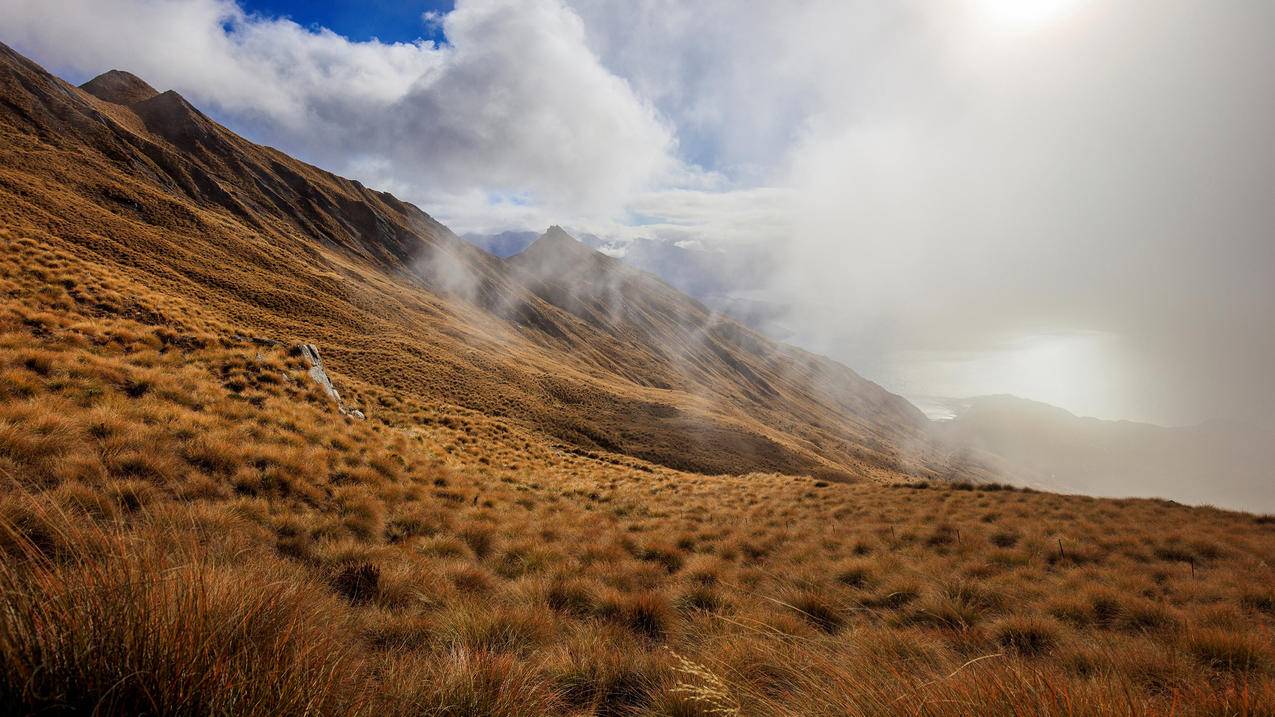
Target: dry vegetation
(189, 528)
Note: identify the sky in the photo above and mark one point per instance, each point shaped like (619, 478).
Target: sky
(359, 20)
(1067, 200)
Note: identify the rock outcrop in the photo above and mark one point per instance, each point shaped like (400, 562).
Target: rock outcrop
(310, 353)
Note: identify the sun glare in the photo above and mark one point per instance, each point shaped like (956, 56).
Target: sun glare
(1078, 371)
(1024, 15)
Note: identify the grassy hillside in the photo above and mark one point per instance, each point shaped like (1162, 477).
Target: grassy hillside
(189, 526)
(270, 246)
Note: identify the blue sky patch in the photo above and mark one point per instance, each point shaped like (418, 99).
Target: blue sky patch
(360, 20)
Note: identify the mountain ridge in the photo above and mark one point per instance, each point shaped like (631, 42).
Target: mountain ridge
(398, 301)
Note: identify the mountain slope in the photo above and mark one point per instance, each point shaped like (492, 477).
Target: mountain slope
(262, 244)
(717, 358)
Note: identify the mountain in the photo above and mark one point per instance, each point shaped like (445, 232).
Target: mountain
(119, 87)
(728, 365)
(560, 338)
(726, 281)
(1222, 463)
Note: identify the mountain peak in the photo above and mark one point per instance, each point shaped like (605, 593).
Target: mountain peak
(119, 87)
(557, 234)
(556, 245)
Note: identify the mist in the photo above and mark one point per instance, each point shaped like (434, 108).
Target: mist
(1078, 211)
(1093, 201)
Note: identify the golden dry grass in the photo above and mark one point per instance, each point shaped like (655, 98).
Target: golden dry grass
(189, 528)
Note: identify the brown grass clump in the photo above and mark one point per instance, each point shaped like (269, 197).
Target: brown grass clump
(572, 596)
(646, 614)
(601, 676)
(472, 683)
(517, 630)
(133, 630)
(472, 579)
(1230, 651)
(357, 583)
(856, 574)
(1027, 635)
(702, 597)
(818, 609)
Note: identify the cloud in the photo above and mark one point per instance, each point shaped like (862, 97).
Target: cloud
(959, 184)
(514, 107)
(1111, 175)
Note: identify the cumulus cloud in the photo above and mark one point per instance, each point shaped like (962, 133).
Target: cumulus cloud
(515, 110)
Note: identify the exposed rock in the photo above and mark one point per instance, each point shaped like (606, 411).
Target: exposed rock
(310, 353)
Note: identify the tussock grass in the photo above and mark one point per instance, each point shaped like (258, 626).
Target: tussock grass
(223, 543)
(127, 628)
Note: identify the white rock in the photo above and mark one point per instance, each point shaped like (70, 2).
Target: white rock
(311, 354)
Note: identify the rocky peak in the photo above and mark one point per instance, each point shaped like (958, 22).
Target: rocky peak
(557, 247)
(119, 87)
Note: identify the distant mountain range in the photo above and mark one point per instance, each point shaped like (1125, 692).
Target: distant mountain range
(1224, 463)
(727, 281)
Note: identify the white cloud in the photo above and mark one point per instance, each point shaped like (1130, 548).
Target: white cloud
(960, 176)
(515, 104)
(1110, 174)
